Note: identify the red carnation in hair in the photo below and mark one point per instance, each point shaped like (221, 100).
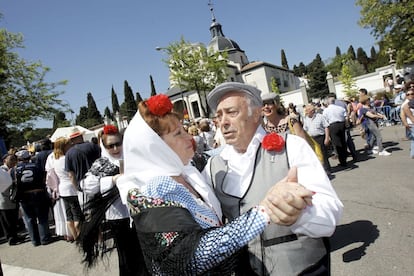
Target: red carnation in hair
(159, 104)
(273, 142)
(110, 129)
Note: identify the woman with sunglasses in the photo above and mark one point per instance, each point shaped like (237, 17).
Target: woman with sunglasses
(104, 203)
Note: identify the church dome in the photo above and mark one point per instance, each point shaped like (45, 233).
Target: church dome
(218, 41)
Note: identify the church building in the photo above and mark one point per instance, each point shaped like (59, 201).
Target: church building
(256, 73)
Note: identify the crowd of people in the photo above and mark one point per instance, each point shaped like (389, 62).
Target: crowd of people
(235, 195)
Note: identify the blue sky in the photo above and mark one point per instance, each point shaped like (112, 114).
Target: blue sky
(97, 44)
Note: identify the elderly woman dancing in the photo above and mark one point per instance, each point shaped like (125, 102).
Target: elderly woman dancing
(177, 216)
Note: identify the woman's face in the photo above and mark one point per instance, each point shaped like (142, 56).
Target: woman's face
(113, 145)
(269, 107)
(180, 141)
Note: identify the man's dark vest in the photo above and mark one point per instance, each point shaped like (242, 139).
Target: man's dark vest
(277, 251)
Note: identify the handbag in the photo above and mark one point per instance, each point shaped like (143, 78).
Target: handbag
(312, 142)
(52, 182)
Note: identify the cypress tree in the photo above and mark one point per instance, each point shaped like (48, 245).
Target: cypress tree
(153, 91)
(362, 58)
(108, 114)
(138, 98)
(338, 52)
(115, 103)
(129, 106)
(318, 86)
(351, 53)
(284, 60)
(94, 116)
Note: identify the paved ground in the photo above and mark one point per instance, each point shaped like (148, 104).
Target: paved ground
(375, 236)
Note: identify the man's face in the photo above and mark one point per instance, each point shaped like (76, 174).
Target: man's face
(236, 124)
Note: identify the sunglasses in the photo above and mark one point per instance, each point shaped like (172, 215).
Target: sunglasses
(111, 146)
(268, 103)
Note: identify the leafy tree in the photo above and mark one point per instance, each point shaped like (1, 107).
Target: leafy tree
(347, 80)
(115, 103)
(25, 95)
(153, 91)
(391, 21)
(193, 67)
(284, 60)
(129, 106)
(318, 86)
(274, 85)
(351, 53)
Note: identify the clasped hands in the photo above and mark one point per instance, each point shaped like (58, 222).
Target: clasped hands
(285, 201)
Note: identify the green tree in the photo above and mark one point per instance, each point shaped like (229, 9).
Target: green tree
(60, 120)
(193, 67)
(94, 116)
(381, 58)
(108, 114)
(153, 91)
(138, 98)
(82, 116)
(390, 21)
(363, 58)
(318, 86)
(338, 51)
(335, 66)
(115, 103)
(300, 70)
(25, 95)
(356, 68)
(347, 80)
(284, 60)
(351, 53)
(129, 106)
(274, 85)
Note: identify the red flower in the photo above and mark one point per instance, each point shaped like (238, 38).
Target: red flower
(159, 105)
(273, 142)
(110, 129)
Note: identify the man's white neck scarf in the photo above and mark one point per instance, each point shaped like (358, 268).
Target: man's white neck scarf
(146, 156)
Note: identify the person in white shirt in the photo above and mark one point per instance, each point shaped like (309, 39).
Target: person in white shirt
(253, 160)
(104, 203)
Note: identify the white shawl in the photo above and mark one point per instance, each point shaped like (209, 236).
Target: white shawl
(146, 156)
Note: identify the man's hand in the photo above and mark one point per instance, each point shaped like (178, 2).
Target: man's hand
(285, 201)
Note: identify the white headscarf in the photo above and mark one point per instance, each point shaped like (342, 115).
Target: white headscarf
(105, 153)
(146, 156)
